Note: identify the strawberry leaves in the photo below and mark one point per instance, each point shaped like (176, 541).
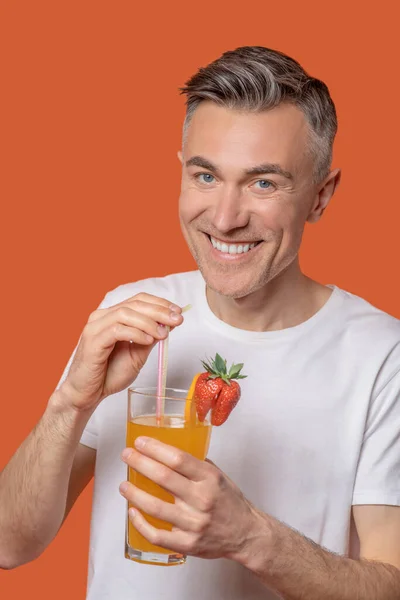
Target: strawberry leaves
(234, 372)
(219, 364)
(216, 389)
(217, 367)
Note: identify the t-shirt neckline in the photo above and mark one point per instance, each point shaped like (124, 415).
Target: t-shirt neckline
(227, 330)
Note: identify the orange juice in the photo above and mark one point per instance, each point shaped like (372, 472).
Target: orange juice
(191, 436)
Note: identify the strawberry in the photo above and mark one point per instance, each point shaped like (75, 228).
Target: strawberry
(206, 392)
(228, 397)
(217, 391)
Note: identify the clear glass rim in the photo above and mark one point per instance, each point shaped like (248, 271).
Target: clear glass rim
(151, 392)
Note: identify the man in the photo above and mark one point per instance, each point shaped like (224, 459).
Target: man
(302, 498)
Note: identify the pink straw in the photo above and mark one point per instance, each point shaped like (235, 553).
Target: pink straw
(162, 372)
(162, 376)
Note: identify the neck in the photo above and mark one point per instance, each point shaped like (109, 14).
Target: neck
(286, 301)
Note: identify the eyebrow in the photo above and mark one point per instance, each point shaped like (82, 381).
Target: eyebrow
(199, 161)
(263, 169)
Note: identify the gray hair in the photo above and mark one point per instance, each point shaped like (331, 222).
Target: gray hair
(254, 78)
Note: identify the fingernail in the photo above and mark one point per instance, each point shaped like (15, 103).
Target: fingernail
(132, 513)
(126, 453)
(175, 308)
(123, 488)
(175, 317)
(140, 442)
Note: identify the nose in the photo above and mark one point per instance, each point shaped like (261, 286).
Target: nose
(230, 211)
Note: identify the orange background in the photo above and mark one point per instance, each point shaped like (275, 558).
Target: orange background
(90, 126)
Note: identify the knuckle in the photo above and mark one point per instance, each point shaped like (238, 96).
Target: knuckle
(164, 476)
(140, 296)
(123, 313)
(177, 460)
(206, 501)
(201, 525)
(135, 303)
(153, 506)
(197, 527)
(154, 537)
(216, 479)
(189, 545)
(116, 329)
(93, 316)
(207, 521)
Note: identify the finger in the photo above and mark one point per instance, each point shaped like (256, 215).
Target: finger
(158, 313)
(181, 515)
(167, 478)
(157, 300)
(177, 540)
(139, 298)
(177, 460)
(123, 333)
(131, 318)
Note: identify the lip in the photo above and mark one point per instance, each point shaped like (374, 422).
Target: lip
(226, 257)
(236, 242)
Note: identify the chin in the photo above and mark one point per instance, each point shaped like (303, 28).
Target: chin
(230, 285)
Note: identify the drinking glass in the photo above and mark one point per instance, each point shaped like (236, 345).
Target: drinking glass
(179, 427)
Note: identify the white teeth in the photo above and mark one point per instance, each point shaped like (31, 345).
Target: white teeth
(231, 248)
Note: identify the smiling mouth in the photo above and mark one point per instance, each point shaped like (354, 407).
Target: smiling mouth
(229, 248)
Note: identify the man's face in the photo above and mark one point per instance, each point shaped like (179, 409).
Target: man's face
(246, 194)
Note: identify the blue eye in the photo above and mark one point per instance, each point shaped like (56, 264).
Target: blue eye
(205, 177)
(264, 184)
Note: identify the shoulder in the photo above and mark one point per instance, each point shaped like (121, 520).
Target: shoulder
(363, 318)
(372, 333)
(178, 288)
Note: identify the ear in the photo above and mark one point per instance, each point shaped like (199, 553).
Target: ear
(180, 157)
(325, 192)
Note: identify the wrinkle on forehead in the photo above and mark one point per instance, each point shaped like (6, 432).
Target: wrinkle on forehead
(238, 140)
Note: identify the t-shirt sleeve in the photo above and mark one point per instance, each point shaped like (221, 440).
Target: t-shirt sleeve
(378, 473)
(67, 368)
(90, 433)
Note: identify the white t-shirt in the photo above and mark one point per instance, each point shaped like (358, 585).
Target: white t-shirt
(316, 431)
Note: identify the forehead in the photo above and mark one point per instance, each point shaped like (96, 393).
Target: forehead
(242, 139)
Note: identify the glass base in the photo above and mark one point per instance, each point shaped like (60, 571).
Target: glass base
(154, 558)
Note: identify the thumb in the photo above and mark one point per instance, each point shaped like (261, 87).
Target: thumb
(212, 463)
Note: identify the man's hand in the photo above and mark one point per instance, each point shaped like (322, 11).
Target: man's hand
(114, 346)
(211, 517)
